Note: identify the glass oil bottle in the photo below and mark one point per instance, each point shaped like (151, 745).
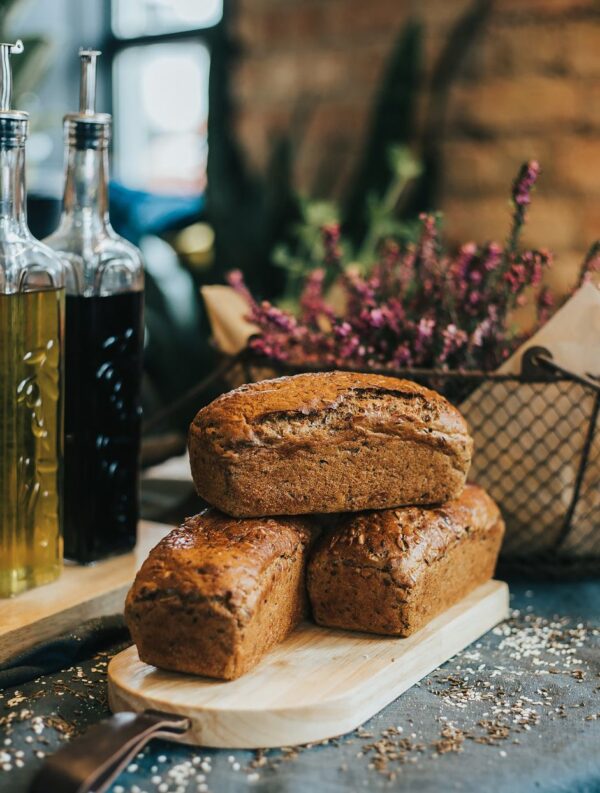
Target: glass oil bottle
(104, 322)
(31, 372)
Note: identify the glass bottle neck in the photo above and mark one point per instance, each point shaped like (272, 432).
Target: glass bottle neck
(13, 211)
(85, 200)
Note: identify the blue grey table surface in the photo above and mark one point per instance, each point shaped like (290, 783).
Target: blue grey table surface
(517, 711)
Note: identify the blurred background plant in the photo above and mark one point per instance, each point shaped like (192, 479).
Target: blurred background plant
(396, 178)
(306, 251)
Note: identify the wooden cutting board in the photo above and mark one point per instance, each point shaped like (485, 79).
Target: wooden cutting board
(318, 684)
(81, 592)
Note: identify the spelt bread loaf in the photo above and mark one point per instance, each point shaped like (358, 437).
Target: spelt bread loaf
(217, 593)
(390, 572)
(328, 442)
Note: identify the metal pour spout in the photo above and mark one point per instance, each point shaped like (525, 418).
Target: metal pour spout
(87, 86)
(6, 50)
(87, 129)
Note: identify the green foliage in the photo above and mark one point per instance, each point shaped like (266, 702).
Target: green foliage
(306, 252)
(383, 220)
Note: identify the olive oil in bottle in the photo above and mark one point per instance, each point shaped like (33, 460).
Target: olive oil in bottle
(32, 282)
(31, 443)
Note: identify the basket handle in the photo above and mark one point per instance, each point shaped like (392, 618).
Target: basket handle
(89, 763)
(537, 364)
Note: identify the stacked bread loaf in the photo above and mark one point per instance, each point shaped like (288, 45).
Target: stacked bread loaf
(334, 493)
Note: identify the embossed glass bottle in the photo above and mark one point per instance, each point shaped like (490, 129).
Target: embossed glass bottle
(31, 372)
(105, 281)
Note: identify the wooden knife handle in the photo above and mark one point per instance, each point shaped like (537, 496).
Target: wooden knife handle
(89, 763)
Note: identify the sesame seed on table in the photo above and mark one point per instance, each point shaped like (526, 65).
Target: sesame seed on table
(517, 711)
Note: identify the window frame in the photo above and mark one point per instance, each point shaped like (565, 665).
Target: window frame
(113, 45)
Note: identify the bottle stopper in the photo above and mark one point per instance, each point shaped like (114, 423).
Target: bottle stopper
(6, 50)
(87, 85)
(87, 129)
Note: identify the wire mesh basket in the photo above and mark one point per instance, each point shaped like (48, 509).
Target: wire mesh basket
(536, 452)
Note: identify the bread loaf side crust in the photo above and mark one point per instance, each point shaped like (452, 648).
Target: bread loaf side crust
(391, 572)
(217, 593)
(328, 442)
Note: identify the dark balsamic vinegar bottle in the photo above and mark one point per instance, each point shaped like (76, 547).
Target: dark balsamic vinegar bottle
(104, 343)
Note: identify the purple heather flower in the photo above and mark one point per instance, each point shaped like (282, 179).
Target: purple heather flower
(277, 317)
(515, 277)
(593, 267)
(312, 303)
(521, 195)
(454, 338)
(362, 295)
(235, 279)
(544, 304)
(331, 244)
(427, 246)
(591, 263)
(482, 332)
(377, 318)
(402, 356)
(426, 327)
(464, 259)
(425, 330)
(274, 349)
(534, 262)
(492, 256)
(343, 330)
(423, 339)
(406, 270)
(349, 348)
(523, 184)
(386, 269)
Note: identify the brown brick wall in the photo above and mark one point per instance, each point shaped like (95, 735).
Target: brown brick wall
(530, 87)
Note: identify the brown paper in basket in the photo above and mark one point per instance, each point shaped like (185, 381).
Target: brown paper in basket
(226, 312)
(542, 445)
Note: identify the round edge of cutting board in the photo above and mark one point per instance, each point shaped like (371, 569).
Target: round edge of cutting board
(235, 730)
(308, 722)
(231, 728)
